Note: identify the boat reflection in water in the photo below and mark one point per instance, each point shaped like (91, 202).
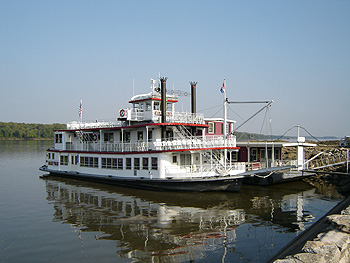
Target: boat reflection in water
(180, 227)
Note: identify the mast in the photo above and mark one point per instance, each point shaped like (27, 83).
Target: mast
(80, 112)
(223, 90)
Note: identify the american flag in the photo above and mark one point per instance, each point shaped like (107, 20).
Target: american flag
(80, 108)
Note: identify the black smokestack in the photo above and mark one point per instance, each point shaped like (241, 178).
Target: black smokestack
(163, 103)
(193, 96)
(193, 103)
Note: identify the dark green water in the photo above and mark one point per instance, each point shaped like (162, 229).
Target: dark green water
(64, 220)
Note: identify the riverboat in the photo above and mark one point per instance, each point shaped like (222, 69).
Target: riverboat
(149, 146)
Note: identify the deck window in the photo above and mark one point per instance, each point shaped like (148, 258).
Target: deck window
(234, 156)
(89, 162)
(140, 135)
(211, 128)
(169, 106)
(120, 163)
(156, 105)
(136, 163)
(145, 163)
(277, 154)
(127, 136)
(58, 138)
(108, 137)
(149, 136)
(175, 159)
(253, 155)
(112, 163)
(106, 163)
(74, 159)
(269, 153)
(154, 161)
(128, 163)
(185, 159)
(63, 160)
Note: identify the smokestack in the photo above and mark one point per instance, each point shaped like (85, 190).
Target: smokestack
(193, 103)
(193, 96)
(163, 104)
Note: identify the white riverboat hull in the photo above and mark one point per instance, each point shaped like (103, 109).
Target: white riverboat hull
(198, 184)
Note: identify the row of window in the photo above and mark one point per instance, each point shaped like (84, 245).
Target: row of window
(111, 163)
(109, 137)
(148, 106)
(254, 156)
(212, 128)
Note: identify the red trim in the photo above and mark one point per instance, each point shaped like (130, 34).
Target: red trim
(132, 101)
(137, 126)
(145, 152)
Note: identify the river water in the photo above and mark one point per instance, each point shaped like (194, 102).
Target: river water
(65, 220)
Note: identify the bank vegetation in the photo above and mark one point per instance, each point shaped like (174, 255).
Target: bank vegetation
(28, 131)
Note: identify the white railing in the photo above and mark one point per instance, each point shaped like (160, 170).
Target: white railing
(185, 117)
(75, 125)
(139, 115)
(197, 170)
(262, 165)
(158, 145)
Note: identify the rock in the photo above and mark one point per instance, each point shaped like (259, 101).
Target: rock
(310, 257)
(329, 252)
(345, 254)
(341, 222)
(288, 260)
(346, 211)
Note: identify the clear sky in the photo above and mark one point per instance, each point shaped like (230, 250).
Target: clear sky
(296, 53)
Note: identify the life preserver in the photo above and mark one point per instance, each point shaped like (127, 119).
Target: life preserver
(94, 137)
(122, 113)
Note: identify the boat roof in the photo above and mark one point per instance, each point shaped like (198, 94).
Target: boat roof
(218, 120)
(259, 144)
(153, 95)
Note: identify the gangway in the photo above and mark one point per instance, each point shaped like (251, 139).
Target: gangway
(327, 159)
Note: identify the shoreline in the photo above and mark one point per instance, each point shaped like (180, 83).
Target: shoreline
(327, 240)
(22, 139)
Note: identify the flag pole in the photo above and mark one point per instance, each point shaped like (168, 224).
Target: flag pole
(225, 123)
(81, 110)
(223, 90)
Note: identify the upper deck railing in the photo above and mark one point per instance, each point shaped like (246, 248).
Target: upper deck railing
(158, 145)
(139, 115)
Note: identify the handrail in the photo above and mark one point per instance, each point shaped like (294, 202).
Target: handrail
(158, 145)
(139, 115)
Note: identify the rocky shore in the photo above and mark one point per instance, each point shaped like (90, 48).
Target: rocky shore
(331, 245)
(328, 240)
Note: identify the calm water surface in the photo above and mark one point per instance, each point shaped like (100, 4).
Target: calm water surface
(65, 220)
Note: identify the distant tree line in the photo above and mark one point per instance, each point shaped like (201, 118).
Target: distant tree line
(28, 131)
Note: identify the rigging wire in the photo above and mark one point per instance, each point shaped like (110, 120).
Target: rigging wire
(267, 122)
(235, 112)
(310, 134)
(285, 133)
(215, 113)
(270, 122)
(211, 107)
(295, 126)
(263, 122)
